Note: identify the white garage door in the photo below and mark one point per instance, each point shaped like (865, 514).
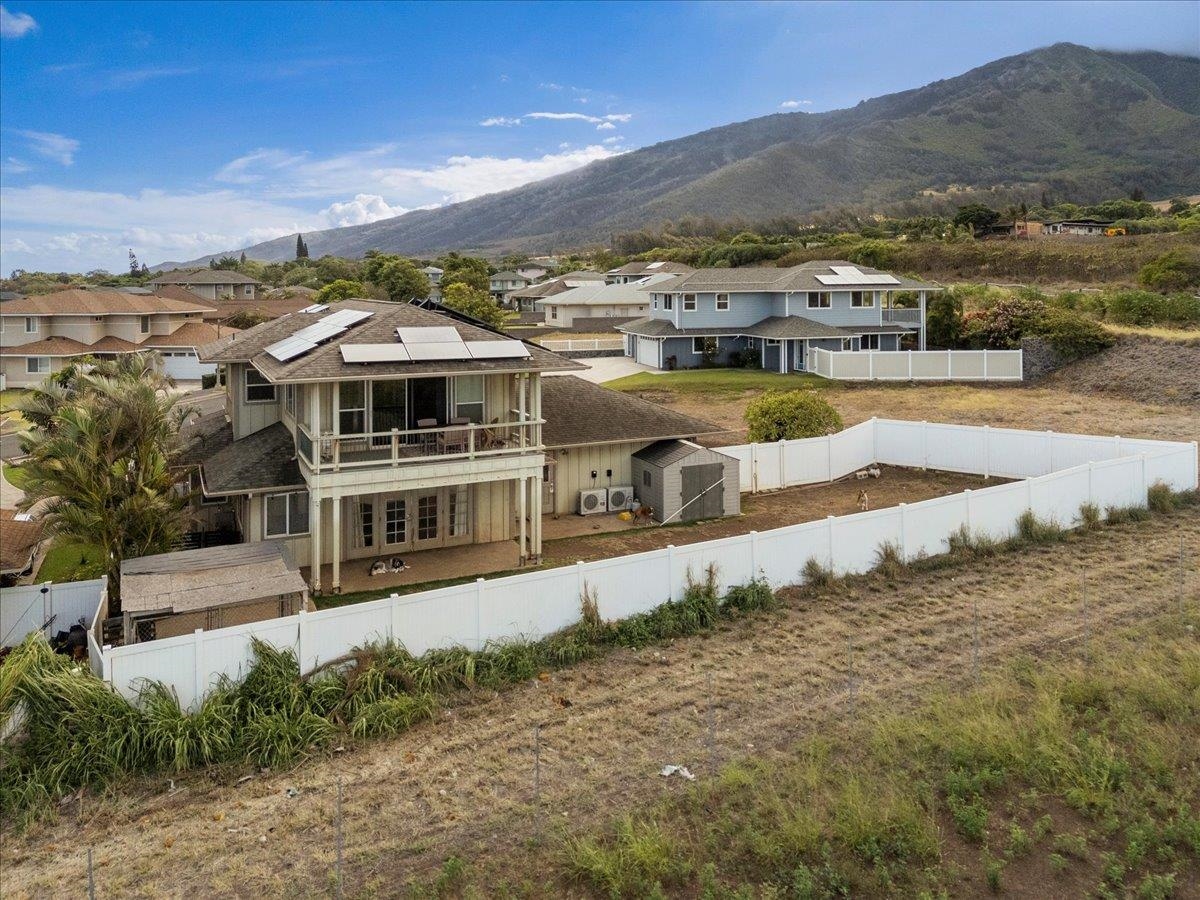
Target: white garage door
(647, 351)
(184, 365)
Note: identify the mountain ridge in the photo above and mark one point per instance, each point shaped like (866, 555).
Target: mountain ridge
(1083, 122)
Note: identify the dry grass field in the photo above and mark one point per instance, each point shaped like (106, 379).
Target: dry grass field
(462, 786)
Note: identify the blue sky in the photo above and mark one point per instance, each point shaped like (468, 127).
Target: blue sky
(180, 129)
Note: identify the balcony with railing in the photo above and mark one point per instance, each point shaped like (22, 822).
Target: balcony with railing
(901, 316)
(458, 441)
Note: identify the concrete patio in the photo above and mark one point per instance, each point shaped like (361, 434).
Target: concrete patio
(423, 566)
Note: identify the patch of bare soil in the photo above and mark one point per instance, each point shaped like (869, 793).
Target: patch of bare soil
(464, 784)
(773, 509)
(1145, 369)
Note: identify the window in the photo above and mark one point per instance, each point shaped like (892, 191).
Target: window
(144, 325)
(722, 303)
(819, 300)
(654, 302)
(289, 398)
(287, 514)
(395, 528)
(645, 478)
(258, 389)
(249, 290)
(704, 345)
(31, 325)
(352, 407)
(37, 365)
(554, 312)
(772, 342)
(459, 508)
(869, 342)
(862, 298)
(468, 397)
(427, 517)
(668, 301)
(366, 523)
(689, 302)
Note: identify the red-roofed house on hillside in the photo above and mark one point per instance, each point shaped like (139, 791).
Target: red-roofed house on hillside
(41, 334)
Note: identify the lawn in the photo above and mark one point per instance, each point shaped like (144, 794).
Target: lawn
(14, 476)
(7, 399)
(71, 561)
(718, 381)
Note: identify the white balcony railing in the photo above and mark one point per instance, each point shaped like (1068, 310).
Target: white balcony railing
(902, 316)
(397, 447)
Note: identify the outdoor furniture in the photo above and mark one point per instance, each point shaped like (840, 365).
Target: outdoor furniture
(455, 441)
(427, 441)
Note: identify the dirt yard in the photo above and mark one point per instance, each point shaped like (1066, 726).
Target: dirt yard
(464, 784)
(770, 510)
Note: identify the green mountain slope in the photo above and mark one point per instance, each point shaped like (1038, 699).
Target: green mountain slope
(1082, 123)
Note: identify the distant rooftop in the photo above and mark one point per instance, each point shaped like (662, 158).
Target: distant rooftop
(204, 276)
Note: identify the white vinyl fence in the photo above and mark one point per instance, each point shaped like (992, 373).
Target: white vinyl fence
(29, 607)
(585, 344)
(1060, 472)
(916, 365)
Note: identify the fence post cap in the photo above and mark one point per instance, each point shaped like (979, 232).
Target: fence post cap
(578, 562)
(478, 580)
(393, 596)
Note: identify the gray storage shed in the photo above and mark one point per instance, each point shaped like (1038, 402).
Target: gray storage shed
(683, 481)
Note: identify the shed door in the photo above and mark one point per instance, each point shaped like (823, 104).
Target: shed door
(697, 480)
(647, 351)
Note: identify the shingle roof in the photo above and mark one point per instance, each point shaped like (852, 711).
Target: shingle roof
(556, 285)
(662, 328)
(795, 278)
(664, 453)
(650, 267)
(794, 328)
(79, 302)
(324, 363)
(578, 412)
(17, 541)
(203, 276)
(607, 294)
(212, 576)
(179, 292)
(262, 461)
(203, 436)
(507, 276)
(190, 334)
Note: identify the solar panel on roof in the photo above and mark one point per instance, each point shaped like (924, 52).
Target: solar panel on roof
(366, 353)
(653, 265)
(289, 348)
(497, 350)
(322, 330)
(315, 308)
(845, 270)
(437, 350)
(437, 334)
(347, 317)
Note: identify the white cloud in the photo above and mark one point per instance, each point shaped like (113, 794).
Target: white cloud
(503, 121)
(602, 123)
(16, 24)
(57, 147)
(606, 126)
(615, 139)
(122, 79)
(364, 208)
(14, 166)
(794, 104)
(61, 229)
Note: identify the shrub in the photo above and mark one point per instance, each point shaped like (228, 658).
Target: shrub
(1089, 517)
(208, 381)
(874, 254)
(1175, 270)
(816, 574)
(1161, 499)
(1071, 335)
(1146, 308)
(944, 319)
(784, 415)
(339, 290)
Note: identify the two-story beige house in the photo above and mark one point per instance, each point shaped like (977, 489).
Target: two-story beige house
(40, 334)
(212, 284)
(369, 429)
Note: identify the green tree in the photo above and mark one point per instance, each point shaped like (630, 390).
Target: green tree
(873, 254)
(977, 216)
(342, 289)
(226, 263)
(398, 276)
(786, 415)
(944, 319)
(468, 270)
(135, 270)
(104, 468)
(474, 303)
(301, 247)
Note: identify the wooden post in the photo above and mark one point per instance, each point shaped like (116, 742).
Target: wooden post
(314, 529)
(337, 544)
(522, 501)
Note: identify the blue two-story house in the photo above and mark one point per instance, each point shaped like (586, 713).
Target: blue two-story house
(724, 316)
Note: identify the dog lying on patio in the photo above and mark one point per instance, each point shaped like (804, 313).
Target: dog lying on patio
(386, 566)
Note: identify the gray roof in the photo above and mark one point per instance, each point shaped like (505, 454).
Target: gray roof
(773, 328)
(262, 461)
(628, 294)
(649, 267)
(213, 576)
(203, 436)
(325, 363)
(770, 278)
(578, 413)
(794, 327)
(204, 276)
(508, 276)
(664, 453)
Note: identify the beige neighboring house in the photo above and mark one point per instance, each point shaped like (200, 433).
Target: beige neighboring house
(40, 334)
(637, 270)
(211, 284)
(599, 300)
(381, 429)
(523, 299)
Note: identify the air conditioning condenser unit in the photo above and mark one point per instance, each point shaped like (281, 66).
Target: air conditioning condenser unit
(620, 497)
(593, 501)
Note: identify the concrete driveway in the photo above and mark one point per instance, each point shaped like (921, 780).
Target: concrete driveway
(606, 368)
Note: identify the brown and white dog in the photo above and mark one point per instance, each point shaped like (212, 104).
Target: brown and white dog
(863, 503)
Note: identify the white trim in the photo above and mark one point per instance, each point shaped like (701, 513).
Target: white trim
(264, 383)
(717, 302)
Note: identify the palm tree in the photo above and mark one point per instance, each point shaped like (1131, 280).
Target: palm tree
(103, 462)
